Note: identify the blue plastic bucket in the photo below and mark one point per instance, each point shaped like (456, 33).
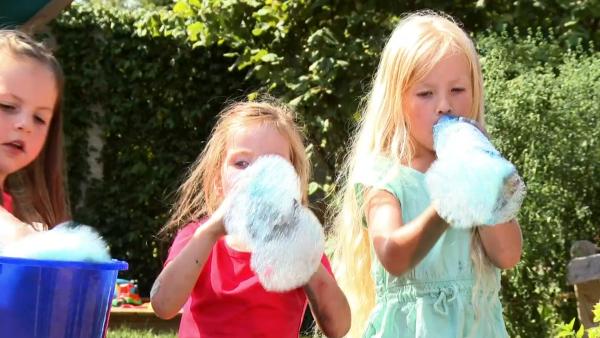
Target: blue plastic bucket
(52, 299)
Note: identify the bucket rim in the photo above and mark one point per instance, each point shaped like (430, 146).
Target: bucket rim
(47, 263)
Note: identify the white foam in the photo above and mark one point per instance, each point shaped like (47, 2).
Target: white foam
(79, 243)
(265, 212)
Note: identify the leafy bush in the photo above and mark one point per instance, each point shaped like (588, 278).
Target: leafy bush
(543, 110)
(566, 330)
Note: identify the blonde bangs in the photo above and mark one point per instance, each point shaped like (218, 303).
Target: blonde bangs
(286, 126)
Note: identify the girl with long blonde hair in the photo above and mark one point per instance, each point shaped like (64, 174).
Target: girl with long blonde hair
(208, 270)
(405, 272)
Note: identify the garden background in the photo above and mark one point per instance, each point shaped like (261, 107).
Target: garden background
(145, 80)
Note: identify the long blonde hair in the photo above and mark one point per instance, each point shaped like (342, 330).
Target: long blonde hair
(198, 195)
(416, 45)
(39, 188)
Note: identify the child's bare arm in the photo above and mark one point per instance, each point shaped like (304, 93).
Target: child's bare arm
(174, 285)
(328, 304)
(502, 243)
(400, 246)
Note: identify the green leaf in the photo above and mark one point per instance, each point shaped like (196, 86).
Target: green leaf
(294, 102)
(195, 29)
(313, 187)
(257, 31)
(183, 9)
(252, 96)
(566, 330)
(570, 23)
(594, 332)
(195, 3)
(263, 11)
(580, 332)
(269, 57)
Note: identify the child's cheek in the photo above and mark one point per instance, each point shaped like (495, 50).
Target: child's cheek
(229, 178)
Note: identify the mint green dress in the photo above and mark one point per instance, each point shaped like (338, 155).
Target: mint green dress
(434, 298)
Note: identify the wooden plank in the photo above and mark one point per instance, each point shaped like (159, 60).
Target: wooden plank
(141, 317)
(588, 295)
(583, 269)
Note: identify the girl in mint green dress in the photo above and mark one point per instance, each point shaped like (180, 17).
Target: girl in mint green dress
(405, 271)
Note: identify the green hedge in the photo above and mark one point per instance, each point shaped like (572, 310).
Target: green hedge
(138, 78)
(543, 105)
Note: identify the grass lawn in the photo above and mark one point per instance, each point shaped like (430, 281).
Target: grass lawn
(125, 332)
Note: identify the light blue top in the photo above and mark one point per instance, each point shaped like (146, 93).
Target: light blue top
(434, 298)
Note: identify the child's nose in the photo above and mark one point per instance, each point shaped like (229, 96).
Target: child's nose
(444, 111)
(444, 107)
(23, 123)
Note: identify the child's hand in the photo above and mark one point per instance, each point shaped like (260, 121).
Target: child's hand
(470, 182)
(482, 129)
(215, 225)
(265, 216)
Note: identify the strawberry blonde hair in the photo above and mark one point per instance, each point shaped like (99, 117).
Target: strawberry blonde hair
(198, 195)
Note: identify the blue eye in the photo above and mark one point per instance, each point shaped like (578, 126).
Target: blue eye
(241, 164)
(7, 107)
(39, 120)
